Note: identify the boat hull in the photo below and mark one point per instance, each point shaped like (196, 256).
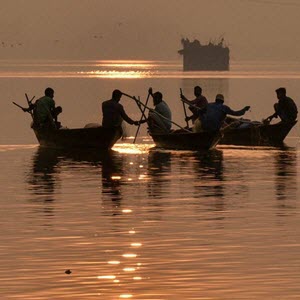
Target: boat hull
(181, 140)
(259, 135)
(99, 137)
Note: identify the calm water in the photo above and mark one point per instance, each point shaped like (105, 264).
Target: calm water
(137, 222)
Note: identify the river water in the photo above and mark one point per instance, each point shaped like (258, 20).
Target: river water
(139, 222)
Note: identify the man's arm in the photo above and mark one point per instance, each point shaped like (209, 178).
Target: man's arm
(236, 113)
(125, 117)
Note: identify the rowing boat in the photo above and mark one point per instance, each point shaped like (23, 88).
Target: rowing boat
(94, 137)
(256, 133)
(184, 140)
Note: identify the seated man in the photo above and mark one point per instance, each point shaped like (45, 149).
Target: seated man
(159, 119)
(55, 113)
(285, 108)
(44, 111)
(213, 116)
(199, 102)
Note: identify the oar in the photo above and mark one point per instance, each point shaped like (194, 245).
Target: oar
(29, 102)
(191, 105)
(142, 117)
(16, 104)
(184, 109)
(138, 103)
(163, 117)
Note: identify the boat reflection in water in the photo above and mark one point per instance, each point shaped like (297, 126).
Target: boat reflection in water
(159, 166)
(48, 166)
(286, 180)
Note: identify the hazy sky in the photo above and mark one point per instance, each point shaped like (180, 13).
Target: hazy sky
(147, 29)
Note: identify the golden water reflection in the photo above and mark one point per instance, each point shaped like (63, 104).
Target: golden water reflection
(141, 69)
(113, 74)
(202, 225)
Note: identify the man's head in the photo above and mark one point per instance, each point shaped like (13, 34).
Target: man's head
(281, 92)
(116, 95)
(157, 98)
(49, 92)
(219, 98)
(197, 91)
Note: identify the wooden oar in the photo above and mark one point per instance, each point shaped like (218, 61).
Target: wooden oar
(184, 109)
(29, 102)
(142, 117)
(16, 104)
(154, 111)
(191, 105)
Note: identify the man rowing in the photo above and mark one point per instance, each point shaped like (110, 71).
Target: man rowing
(160, 119)
(199, 102)
(114, 113)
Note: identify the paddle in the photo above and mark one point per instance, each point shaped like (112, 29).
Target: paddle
(23, 108)
(191, 105)
(29, 103)
(143, 114)
(184, 109)
(139, 103)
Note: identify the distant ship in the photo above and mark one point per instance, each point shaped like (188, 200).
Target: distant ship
(197, 57)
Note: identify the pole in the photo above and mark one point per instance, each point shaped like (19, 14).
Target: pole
(23, 108)
(142, 116)
(163, 117)
(29, 102)
(184, 109)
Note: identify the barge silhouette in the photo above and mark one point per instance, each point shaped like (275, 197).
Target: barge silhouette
(209, 57)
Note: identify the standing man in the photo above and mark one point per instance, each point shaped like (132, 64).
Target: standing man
(200, 101)
(114, 113)
(285, 108)
(159, 119)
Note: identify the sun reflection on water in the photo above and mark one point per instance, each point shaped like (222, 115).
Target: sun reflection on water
(113, 74)
(136, 244)
(127, 148)
(107, 277)
(129, 269)
(114, 262)
(129, 255)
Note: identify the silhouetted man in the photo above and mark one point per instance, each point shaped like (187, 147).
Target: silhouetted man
(44, 111)
(213, 116)
(200, 102)
(285, 108)
(159, 120)
(114, 113)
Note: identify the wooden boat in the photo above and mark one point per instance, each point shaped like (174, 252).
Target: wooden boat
(256, 133)
(95, 137)
(184, 140)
